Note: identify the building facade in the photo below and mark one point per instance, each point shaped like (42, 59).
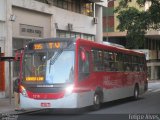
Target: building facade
(2, 45)
(22, 21)
(152, 43)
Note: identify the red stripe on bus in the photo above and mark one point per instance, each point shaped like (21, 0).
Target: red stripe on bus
(46, 95)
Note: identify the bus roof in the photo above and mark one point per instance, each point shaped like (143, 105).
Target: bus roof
(108, 47)
(51, 39)
(96, 45)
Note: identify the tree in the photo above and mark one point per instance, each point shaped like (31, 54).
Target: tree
(137, 21)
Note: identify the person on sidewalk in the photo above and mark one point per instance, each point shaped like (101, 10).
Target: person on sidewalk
(16, 94)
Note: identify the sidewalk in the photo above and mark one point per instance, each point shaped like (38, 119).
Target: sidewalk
(9, 109)
(153, 81)
(6, 107)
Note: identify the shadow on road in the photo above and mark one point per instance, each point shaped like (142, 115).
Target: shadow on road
(119, 102)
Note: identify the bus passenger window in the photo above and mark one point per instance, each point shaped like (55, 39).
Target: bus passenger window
(98, 60)
(120, 62)
(127, 63)
(112, 67)
(106, 61)
(83, 64)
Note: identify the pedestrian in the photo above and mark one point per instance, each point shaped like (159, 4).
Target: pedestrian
(16, 94)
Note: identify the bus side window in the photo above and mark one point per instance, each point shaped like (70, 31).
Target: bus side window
(97, 56)
(141, 64)
(84, 68)
(106, 61)
(113, 61)
(120, 62)
(135, 63)
(127, 63)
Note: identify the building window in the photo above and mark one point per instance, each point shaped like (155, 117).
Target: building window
(55, 2)
(68, 34)
(60, 3)
(78, 6)
(43, 1)
(65, 5)
(70, 5)
(82, 6)
(87, 9)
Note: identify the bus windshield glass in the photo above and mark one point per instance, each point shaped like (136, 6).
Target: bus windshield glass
(48, 67)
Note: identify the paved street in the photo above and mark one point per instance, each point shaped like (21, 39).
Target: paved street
(148, 107)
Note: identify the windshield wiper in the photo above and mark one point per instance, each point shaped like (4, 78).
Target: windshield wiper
(53, 60)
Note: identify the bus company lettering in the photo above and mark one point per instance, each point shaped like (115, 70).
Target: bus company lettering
(106, 80)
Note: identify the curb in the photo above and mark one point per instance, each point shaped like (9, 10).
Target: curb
(12, 113)
(153, 81)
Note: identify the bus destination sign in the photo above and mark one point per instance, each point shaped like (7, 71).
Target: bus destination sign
(48, 45)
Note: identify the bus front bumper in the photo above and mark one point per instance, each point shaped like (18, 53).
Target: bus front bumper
(69, 101)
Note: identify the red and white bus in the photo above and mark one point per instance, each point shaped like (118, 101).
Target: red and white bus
(75, 73)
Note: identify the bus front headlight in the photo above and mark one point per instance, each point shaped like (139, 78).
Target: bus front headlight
(69, 89)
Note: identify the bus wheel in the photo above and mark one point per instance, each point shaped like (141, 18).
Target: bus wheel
(96, 102)
(136, 92)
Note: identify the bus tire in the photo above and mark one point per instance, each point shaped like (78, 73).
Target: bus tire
(136, 92)
(96, 102)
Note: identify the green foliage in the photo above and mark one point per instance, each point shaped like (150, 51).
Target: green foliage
(136, 22)
(141, 2)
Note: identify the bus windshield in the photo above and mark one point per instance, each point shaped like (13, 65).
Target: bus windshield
(48, 67)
